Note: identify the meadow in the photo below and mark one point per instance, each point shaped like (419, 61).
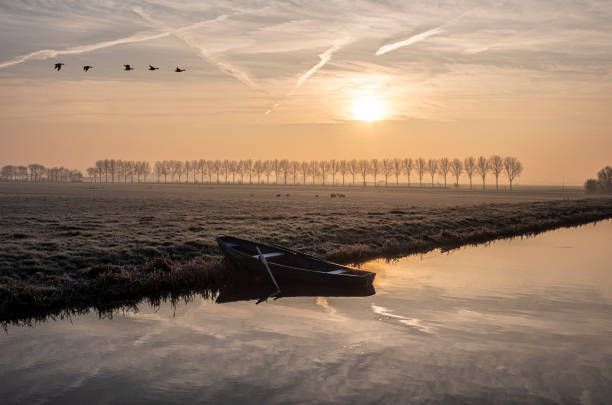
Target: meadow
(89, 244)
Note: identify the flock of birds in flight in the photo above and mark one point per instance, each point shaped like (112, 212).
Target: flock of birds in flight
(58, 67)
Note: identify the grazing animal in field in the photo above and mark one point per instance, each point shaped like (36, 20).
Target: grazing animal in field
(127, 67)
(151, 67)
(58, 66)
(87, 67)
(179, 70)
(332, 195)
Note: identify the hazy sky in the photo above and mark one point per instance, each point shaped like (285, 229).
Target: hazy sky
(270, 79)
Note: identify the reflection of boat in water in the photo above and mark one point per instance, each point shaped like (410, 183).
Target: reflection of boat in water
(262, 289)
(288, 265)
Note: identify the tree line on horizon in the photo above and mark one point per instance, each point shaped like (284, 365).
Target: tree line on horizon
(285, 171)
(35, 172)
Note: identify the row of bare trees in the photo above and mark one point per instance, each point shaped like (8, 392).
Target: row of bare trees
(35, 172)
(310, 172)
(119, 171)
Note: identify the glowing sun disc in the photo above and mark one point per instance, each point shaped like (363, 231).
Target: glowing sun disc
(367, 108)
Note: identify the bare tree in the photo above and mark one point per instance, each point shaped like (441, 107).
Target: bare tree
(408, 166)
(284, 169)
(146, 170)
(513, 168)
(444, 168)
(482, 168)
(188, 167)
(314, 169)
(375, 169)
(305, 167)
(432, 168)
(469, 164)
(387, 169)
(497, 166)
(91, 172)
(233, 169)
(226, 167)
(159, 170)
(267, 169)
(456, 168)
(398, 169)
(248, 167)
(178, 169)
(353, 168)
(214, 168)
(333, 169)
(324, 167)
(100, 169)
(343, 169)
(275, 164)
(364, 169)
(421, 168)
(112, 167)
(258, 168)
(210, 169)
(294, 167)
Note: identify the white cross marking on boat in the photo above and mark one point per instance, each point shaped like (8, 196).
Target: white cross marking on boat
(339, 271)
(266, 255)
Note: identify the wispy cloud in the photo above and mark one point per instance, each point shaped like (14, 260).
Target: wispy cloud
(419, 37)
(207, 56)
(324, 58)
(138, 37)
(412, 40)
(52, 53)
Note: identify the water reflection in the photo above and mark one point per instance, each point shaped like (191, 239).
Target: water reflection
(521, 321)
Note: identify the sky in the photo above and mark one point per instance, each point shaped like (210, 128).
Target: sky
(309, 80)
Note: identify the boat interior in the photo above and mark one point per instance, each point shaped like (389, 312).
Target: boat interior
(279, 256)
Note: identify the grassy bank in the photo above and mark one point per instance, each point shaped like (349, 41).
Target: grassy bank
(75, 248)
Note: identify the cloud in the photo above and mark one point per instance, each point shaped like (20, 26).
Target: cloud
(52, 53)
(138, 37)
(413, 39)
(324, 58)
(419, 37)
(207, 56)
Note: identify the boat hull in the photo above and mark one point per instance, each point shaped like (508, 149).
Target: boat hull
(286, 272)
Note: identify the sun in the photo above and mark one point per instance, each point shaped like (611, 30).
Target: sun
(367, 108)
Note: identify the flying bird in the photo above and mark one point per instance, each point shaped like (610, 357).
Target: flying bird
(127, 67)
(151, 67)
(179, 70)
(58, 66)
(87, 67)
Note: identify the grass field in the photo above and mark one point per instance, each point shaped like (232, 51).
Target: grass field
(83, 243)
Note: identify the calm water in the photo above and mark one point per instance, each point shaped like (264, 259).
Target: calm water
(521, 321)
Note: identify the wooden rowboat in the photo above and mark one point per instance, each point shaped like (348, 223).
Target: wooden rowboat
(288, 265)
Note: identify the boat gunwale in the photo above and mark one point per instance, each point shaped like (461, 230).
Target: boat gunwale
(358, 273)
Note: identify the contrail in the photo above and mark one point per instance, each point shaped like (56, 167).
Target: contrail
(324, 58)
(413, 39)
(52, 53)
(419, 37)
(138, 37)
(225, 67)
